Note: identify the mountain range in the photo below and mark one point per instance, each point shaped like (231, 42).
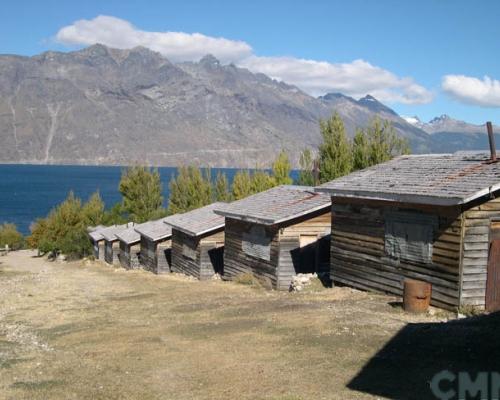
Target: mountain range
(101, 105)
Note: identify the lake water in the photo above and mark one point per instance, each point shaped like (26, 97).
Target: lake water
(28, 192)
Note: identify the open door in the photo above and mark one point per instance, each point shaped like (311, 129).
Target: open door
(492, 300)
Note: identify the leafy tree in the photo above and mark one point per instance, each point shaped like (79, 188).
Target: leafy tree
(306, 174)
(335, 152)
(10, 236)
(281, 169)
(116, 215)
(93, 210)
(189, 190)
(242, 185)
(142, 192)
(360, 151)
(221, 189)
(383, 142)
(261, 181)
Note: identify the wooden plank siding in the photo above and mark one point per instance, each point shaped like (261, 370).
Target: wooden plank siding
(129, 255)
(237, 262)
(206, 254)
(284, 260)
(477, 219)
(111, 252)
(99, 248)
(154, 256)
(358, 256)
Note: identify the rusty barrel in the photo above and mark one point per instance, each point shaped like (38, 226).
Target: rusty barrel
(416, 296)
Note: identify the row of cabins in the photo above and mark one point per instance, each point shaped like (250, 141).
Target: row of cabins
(434, 218)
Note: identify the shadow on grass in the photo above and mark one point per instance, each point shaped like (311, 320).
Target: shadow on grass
(405, 366)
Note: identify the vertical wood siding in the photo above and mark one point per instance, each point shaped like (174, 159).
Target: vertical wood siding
(475, 251)
(358, 257)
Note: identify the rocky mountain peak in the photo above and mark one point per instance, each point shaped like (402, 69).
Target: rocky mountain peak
(209, 61)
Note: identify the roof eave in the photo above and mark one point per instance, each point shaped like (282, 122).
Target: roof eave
(200, 233)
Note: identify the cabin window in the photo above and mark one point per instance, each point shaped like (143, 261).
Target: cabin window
(189, 249)
(256, 243)
(409, 236)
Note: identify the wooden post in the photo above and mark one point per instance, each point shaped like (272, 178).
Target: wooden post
(491, 138)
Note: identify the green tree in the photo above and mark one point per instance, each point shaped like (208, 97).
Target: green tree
(116, 215)
(189, 190)
(360, 150)
(383, 142)
(306, 173)
(142, 192)
(335, 152)
(261, 181)
(221, 189)
(93, 210)
(242, 185)
(281, 169)
(10, 236)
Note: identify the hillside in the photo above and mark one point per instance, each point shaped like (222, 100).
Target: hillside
(106, 106)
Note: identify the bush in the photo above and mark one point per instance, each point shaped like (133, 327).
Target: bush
(9, 235)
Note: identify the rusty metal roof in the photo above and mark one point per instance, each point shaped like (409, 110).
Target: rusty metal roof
(435, 179)
(277, 205)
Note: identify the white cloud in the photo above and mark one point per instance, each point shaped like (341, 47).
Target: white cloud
(356, 79)
(176, 46)
(481, 92)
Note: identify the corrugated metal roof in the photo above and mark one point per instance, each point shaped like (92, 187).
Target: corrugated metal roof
(155, 230)
(277, 205)
(198, 222)
(436, 179)
(110, 232)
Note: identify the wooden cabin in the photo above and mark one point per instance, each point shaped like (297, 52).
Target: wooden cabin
(130, 246)
(97, 240)
(198, 242)
(428, 217)
(111, 244)
(156, 246)
(276, 234)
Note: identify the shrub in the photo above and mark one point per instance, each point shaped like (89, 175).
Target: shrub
(9, 235)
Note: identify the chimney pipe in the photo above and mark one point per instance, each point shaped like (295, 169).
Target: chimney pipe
(491, 138)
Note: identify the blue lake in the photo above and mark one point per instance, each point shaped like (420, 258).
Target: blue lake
(28, 192)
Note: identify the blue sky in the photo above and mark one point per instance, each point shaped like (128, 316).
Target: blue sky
(422, 58)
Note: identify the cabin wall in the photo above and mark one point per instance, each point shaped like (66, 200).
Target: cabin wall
(296, 257)
(477, 221)
(129, 255)
(154, 256)
(211, 255)
(112, 250)
(185, 254)
(358, 256)
(237, 262)
(200, 257)
(102, 250)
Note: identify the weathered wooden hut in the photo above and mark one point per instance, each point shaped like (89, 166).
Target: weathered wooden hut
(276, 234)
(97, 241)
(198, 242)
(111, 244)
(130, 246)
(427, 217)
(156, 246)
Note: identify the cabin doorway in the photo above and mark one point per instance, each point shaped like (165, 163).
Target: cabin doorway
(492, 300)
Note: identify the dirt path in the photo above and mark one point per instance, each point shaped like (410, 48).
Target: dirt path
(90, 331)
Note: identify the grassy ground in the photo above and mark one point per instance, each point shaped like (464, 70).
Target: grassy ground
(84, 330)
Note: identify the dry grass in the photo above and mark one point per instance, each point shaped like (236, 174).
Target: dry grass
(89, 331)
